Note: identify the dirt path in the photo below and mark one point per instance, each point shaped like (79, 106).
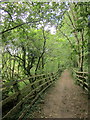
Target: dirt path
(64, 100)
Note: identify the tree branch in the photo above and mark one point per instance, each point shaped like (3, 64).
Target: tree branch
(8, 13)
(14, 55)
(42, 52)
(16, 27)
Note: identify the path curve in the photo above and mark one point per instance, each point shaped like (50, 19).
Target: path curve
(64, 100)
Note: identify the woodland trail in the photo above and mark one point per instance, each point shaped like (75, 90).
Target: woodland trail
(64, 100)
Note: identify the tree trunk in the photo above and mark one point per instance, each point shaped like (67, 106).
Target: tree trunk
(41, 56)
(82, 52)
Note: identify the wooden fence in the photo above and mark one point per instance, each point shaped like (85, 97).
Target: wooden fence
(15, 102)
(82, 79)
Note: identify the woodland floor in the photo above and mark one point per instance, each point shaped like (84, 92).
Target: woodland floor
(64, 100)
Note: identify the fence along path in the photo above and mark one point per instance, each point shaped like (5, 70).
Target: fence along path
(64, 100)
(82, 79)
(12, 104)
(30, 93)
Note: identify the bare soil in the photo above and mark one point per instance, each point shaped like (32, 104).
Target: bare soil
(64, 100)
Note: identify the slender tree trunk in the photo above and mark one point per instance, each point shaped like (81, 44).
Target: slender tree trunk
(13, 68)
(18, 67)
(10, 65)
(82, 52)
(43, 62)
(42, 52)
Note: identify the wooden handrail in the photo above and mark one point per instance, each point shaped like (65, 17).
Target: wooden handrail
(79, 71)
(43, 84)
(84, 75)
(24, 89)
(25, 111)
(21, 80)
(83, 72)
(81, 76)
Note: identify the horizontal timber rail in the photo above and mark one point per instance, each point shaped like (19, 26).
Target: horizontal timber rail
(82, 79)
(13, 82)
(14, 103)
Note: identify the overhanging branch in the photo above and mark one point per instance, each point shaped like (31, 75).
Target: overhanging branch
(16, 27)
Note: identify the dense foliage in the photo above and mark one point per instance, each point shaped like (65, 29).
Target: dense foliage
(41, 37)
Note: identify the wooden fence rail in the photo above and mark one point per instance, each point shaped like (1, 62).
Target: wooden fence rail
(82, 79)
(15, 102)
